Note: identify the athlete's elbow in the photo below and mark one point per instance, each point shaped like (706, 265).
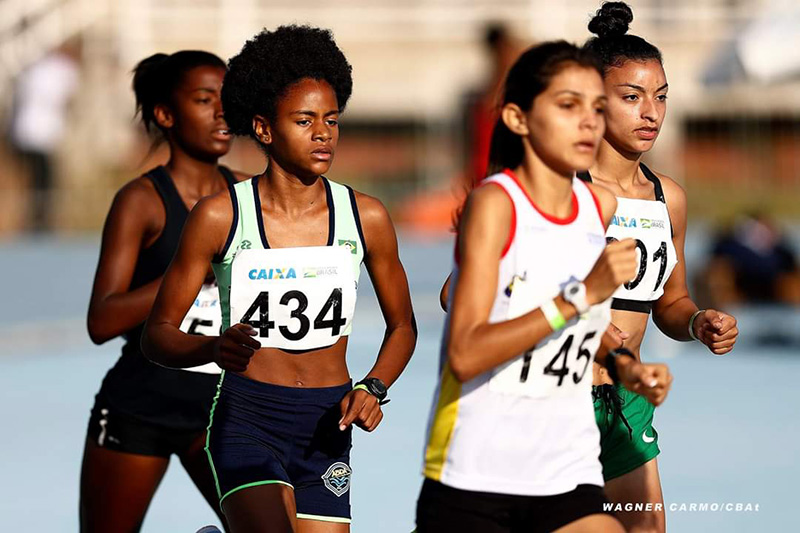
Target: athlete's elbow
(98, 331)
(150, 345)
(405, 332)
(460, 363)
(414, 330)
(98, 339)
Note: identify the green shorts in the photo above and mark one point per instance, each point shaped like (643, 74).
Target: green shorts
(627, 436)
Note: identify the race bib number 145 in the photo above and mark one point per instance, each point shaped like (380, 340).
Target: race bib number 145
(560, 362)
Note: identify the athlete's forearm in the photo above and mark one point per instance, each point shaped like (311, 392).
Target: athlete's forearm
(167, 345)
(395, 353)
(114, 315)
(486, 346)
(673, 319)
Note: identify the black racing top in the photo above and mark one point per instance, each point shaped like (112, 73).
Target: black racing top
(134, 386)
(658, 190)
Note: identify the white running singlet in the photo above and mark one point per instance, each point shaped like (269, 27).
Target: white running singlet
(528, 426)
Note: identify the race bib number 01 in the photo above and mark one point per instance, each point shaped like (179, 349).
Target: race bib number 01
(204, 318)
(296, 298)
(560, 362)
(659, 258)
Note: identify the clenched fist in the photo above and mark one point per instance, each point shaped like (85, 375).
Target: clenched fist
(616, 265)
(234, 348)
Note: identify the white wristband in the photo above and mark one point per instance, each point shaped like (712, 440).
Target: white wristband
(691, 323)
(553, 315)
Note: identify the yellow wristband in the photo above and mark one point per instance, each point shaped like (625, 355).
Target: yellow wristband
(363, 387)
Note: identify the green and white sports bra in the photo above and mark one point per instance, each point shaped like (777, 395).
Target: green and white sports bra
(299, 298)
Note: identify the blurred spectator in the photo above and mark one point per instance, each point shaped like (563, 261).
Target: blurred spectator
(41, 94)
(481, 106)
(752, 263)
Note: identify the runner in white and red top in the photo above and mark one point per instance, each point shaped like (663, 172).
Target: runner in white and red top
(512, 443)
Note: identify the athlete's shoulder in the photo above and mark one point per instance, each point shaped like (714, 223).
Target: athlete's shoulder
(139, 195)
(489, 199)
(673, 191)
(486, 225)
(488, 211)
(491, 191)
(606, 199)
(371, 211)
(376, 224)
(141, 185)
(216, 208)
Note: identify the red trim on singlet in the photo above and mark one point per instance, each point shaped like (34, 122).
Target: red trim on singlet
(512, 231)
(597, 205)
(555, 220)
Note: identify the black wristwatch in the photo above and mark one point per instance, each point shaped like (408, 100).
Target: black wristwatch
(376, 387)
(611, 361)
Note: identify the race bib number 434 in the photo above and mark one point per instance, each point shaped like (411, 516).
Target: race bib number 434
(296, 298)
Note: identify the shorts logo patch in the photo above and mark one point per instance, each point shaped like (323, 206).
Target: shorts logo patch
(337, 478)
(647, 439)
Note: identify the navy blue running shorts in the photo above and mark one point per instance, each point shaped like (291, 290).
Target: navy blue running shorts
(263, 434)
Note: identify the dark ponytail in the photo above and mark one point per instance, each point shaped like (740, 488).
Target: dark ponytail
(613, 45)
(529, 77)
(146, 86)
(157, 77)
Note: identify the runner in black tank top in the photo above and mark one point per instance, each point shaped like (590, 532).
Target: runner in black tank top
(144, 413)
(135, 387)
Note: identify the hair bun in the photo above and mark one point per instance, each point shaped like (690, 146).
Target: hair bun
(611, 20)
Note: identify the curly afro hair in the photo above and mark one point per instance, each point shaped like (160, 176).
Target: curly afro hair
(271, 62)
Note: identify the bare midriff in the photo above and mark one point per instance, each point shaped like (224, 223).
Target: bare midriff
(325, 367)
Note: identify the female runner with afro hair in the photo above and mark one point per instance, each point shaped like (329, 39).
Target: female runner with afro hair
(286, 248)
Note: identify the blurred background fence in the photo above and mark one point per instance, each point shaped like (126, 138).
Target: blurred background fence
(731, 134)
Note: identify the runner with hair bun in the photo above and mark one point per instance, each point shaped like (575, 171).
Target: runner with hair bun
(652, 210)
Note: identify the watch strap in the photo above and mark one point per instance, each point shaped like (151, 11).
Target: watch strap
(366, 385)
(611, 362)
